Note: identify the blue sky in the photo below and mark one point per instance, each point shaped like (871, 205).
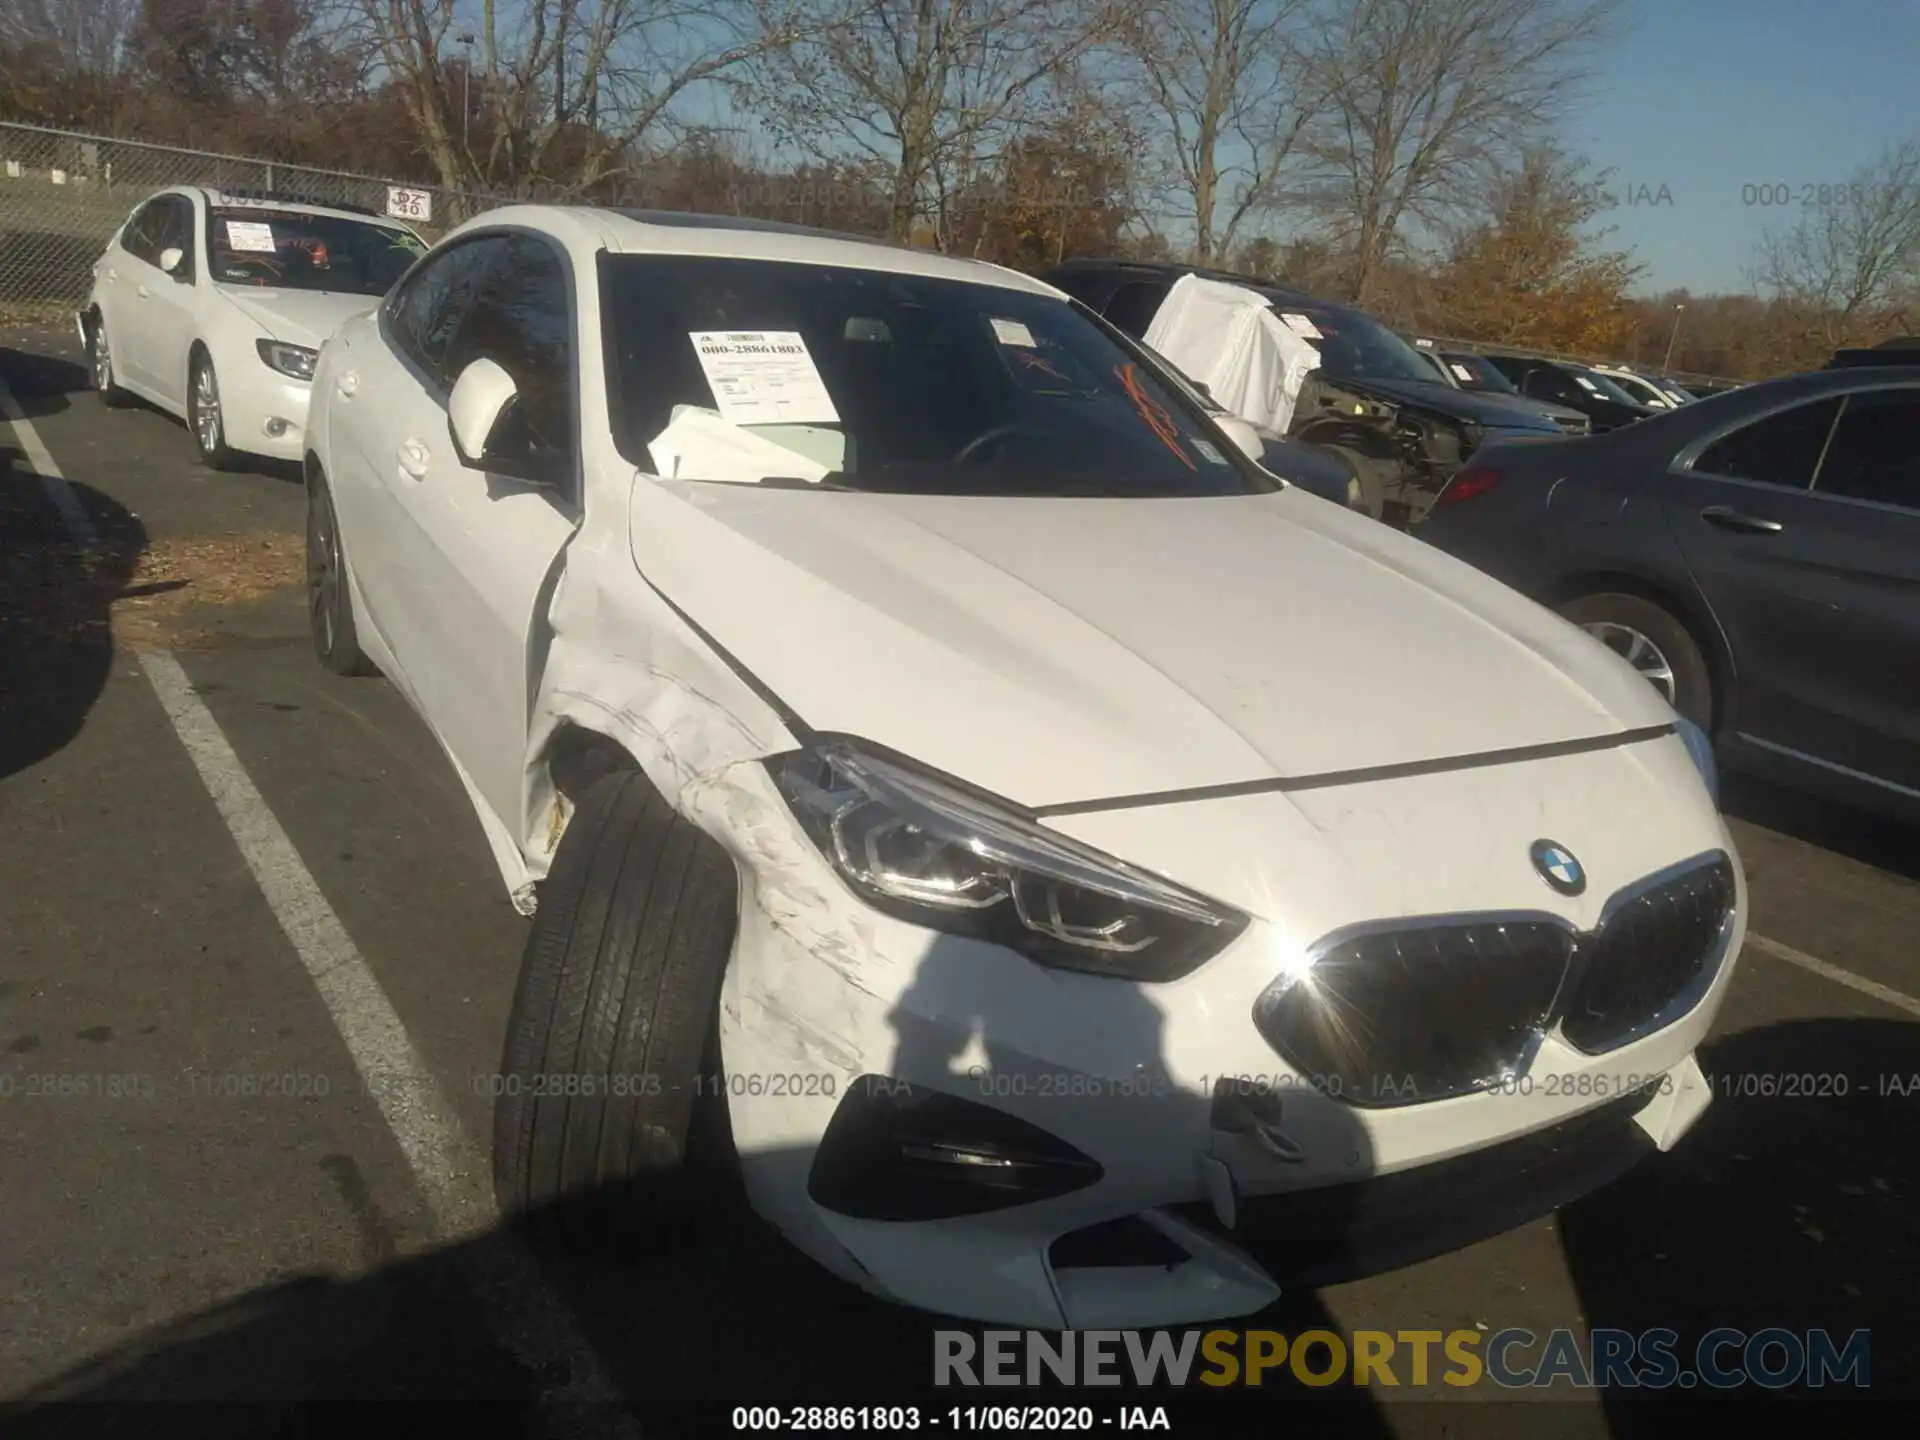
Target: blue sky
(1706, 97)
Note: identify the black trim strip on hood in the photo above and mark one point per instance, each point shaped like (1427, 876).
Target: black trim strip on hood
(807, 735)
(1405, 769)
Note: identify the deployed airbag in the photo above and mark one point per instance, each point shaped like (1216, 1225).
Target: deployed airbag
(1229, 339)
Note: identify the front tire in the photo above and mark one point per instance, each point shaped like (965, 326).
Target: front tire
(611, 1048)
(205, 418)
(100, 363)
(1656, 643)
(329, 601)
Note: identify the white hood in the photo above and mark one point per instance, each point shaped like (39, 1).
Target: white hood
(299, 317)
(1056, 650)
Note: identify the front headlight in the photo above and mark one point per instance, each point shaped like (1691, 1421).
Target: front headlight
(1701, 749)
(294, 360)
(928, 852)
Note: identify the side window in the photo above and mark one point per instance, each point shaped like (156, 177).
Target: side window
(1875, 454)
(426, 314)
(140, 238)
(1133, 307)
(175, 228)
(523, 321)
(1779, 450)
(1547, 383)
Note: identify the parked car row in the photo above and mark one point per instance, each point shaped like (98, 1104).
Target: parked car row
(887, 685)
(1374, 403)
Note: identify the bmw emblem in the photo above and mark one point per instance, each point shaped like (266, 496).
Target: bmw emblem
(1558, 867)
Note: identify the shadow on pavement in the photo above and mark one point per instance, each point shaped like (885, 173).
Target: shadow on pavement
(1876, 840)
(56, 642)
(1791, 1205)
(40, 382)
(693, 1317)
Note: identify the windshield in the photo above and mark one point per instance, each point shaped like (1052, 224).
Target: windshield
(1479, 375)
(1601, 383)
(770, 372)
(1358, 347)
(295, 250)
(1641, 389)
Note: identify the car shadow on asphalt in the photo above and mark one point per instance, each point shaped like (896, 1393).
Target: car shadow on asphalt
(56, 639)
(693, 1314)
(1791, 1206)
(40, 382)
(1882, 842)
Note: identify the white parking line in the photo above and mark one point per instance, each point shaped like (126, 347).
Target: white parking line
(1885, 994)
(450, 1170)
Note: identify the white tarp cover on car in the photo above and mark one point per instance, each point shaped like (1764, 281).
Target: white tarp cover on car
(1229, 339)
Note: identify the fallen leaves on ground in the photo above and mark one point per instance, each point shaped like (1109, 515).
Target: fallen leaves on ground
(156, 599)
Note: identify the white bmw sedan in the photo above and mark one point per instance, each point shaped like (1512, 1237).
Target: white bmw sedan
(212, 306)
(1055, 855)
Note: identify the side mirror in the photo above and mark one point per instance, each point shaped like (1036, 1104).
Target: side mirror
(1245, 437)
(171, 259)
(480, 398)
(480, 423)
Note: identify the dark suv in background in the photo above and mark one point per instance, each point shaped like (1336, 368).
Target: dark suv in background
(1375, 402)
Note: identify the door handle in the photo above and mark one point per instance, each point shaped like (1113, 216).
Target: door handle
(413, 460)
(113, 274)
(1727, 518)
(346, 385)
(142, 292)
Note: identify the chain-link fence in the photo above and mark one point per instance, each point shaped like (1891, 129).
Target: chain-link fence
(63, 195)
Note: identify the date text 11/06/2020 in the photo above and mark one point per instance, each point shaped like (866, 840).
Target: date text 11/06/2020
(962, 1419)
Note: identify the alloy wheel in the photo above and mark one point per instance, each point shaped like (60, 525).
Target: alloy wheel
(1638, 651)
(323, 567)
(102, 359)
(206, 408)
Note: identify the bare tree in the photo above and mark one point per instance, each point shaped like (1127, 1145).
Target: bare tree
(565, 93)
(1851, 263)
(1224, 82)
(62, 45)
(1420, 94)
(932, 90)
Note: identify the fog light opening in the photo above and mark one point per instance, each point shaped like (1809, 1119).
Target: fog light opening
(276, 427)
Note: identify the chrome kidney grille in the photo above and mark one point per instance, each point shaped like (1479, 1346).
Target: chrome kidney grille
(1655, 948)
(1420, 1010)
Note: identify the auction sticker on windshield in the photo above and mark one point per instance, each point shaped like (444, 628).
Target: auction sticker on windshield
(763, 377)
(1012, 332)
(251, 235)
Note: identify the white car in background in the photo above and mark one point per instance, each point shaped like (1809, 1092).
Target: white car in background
(212, 306)
(1641, 388)
(1034, 840)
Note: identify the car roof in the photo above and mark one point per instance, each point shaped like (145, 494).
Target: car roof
(267, 200)
(683, 233)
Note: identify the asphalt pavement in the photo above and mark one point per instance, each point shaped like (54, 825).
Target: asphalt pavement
(255, 965)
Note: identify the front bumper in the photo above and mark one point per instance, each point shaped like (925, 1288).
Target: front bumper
(265, 411)
(1173, 1225)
